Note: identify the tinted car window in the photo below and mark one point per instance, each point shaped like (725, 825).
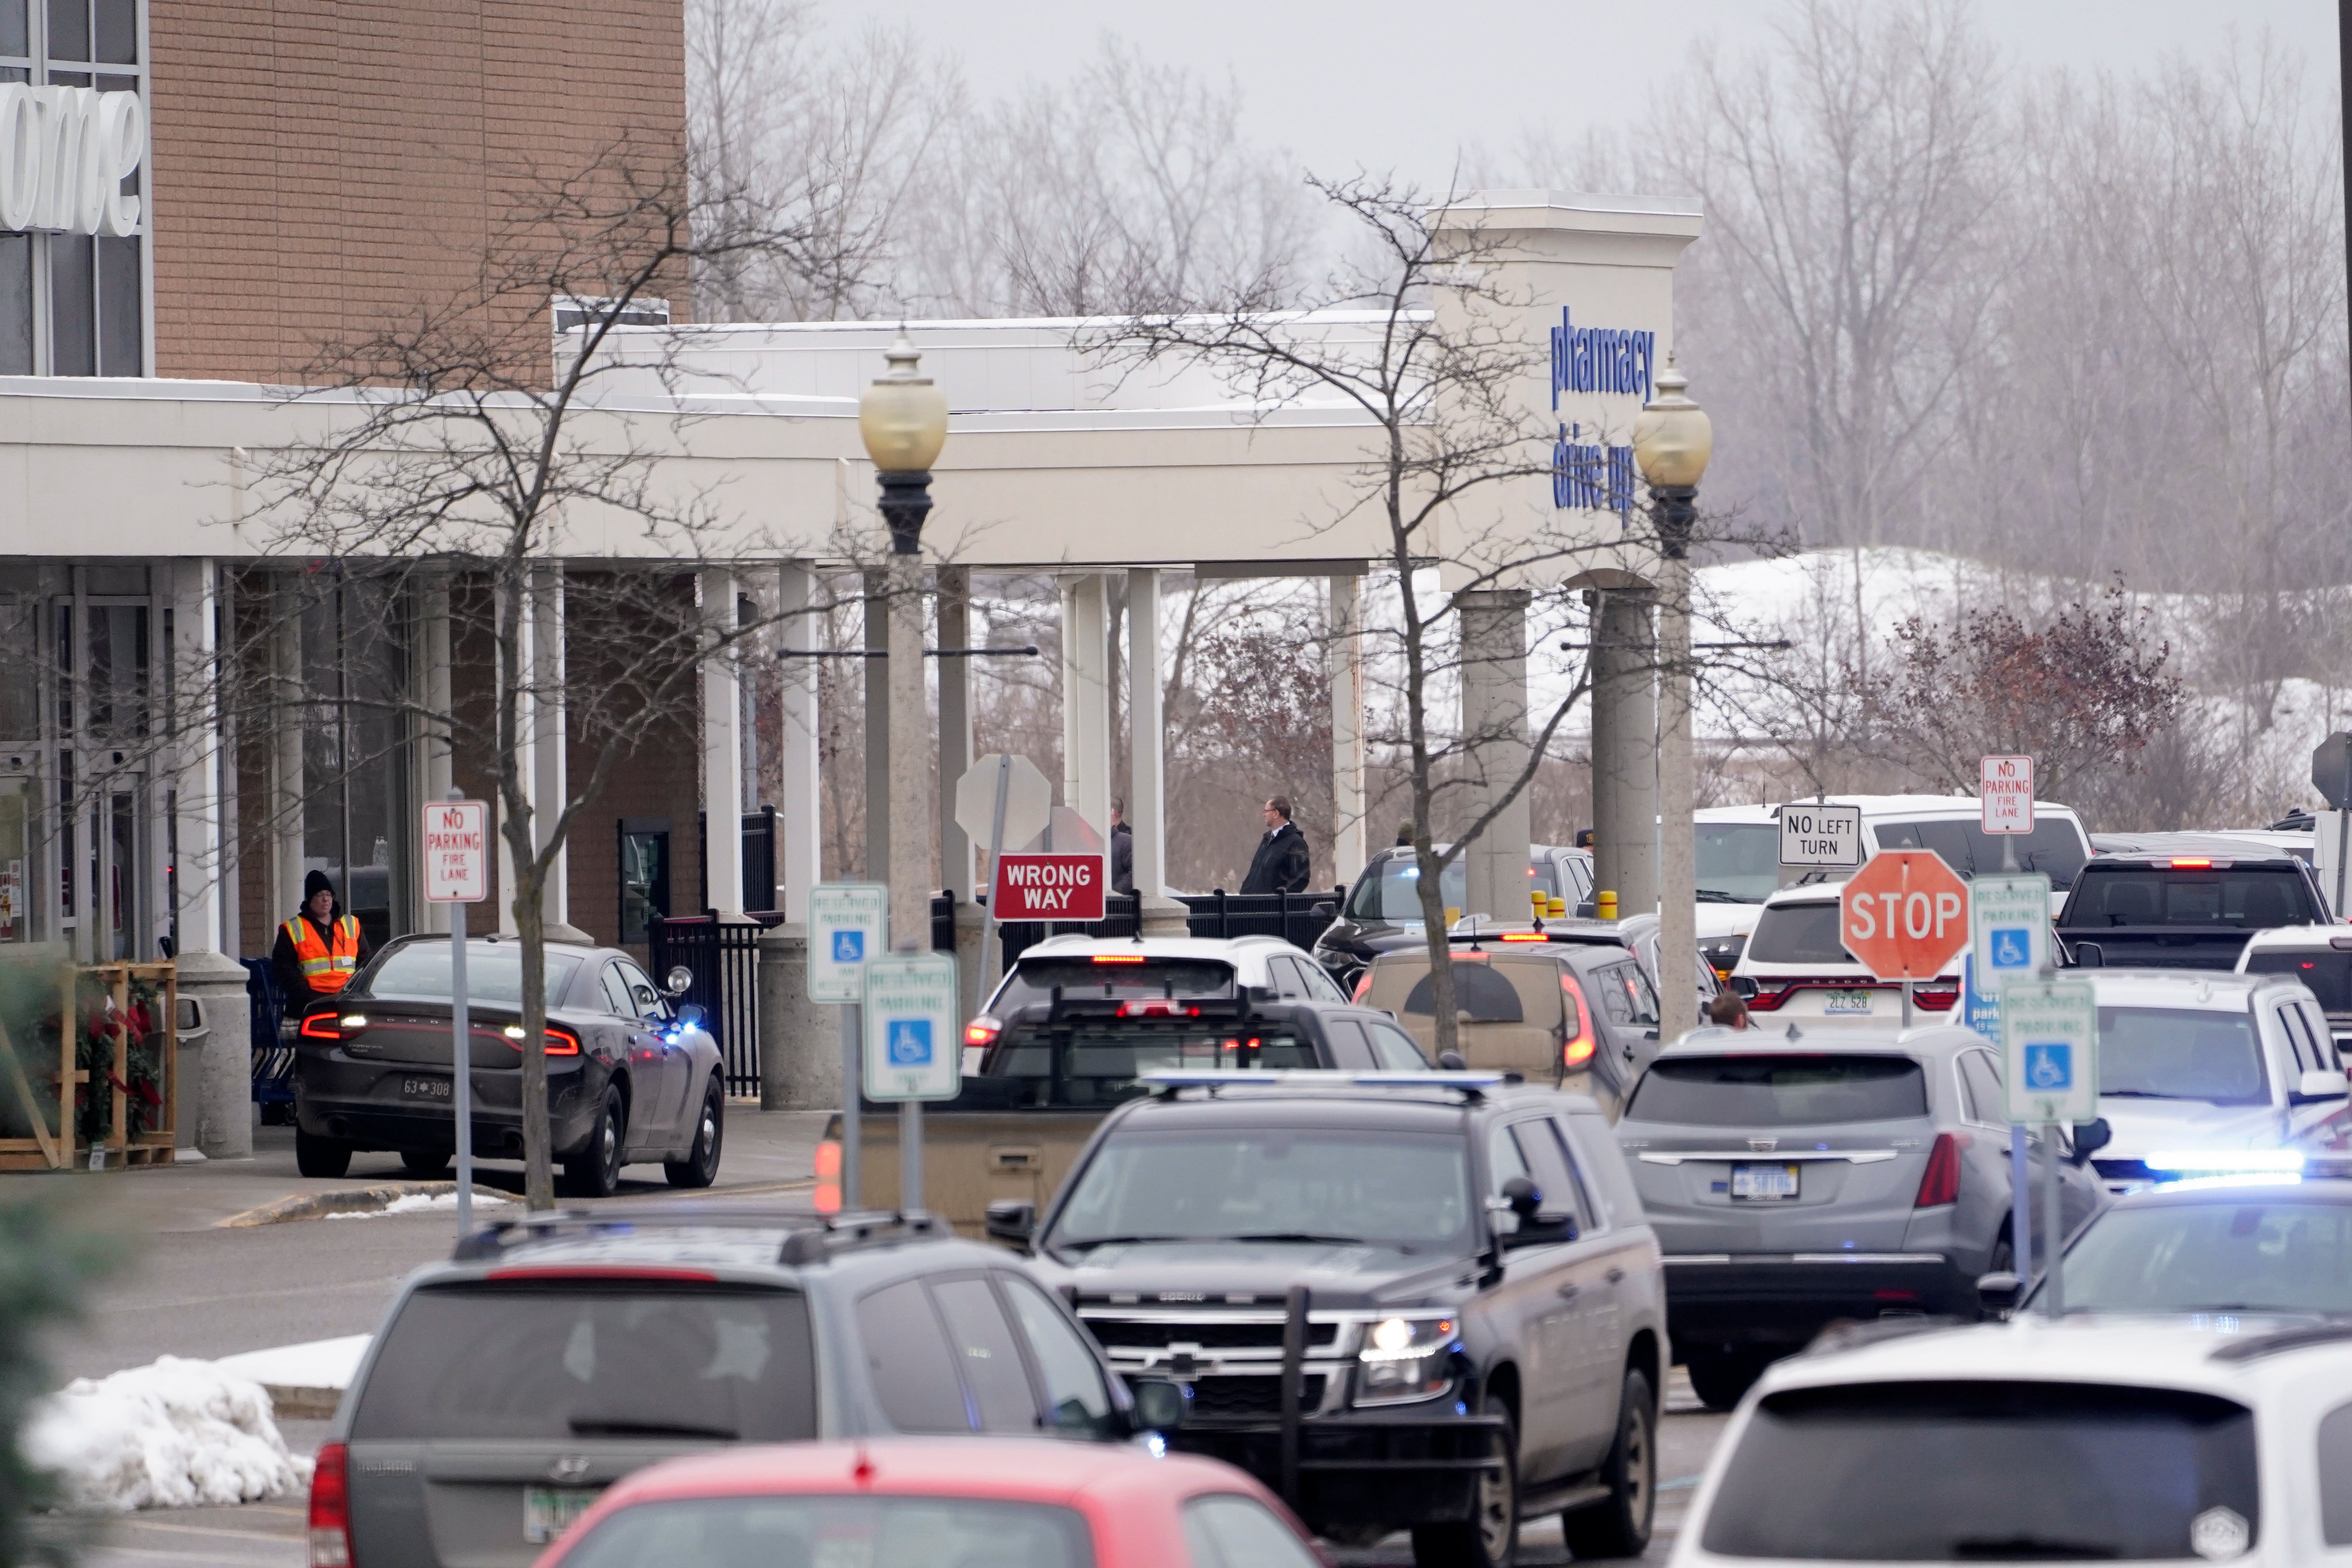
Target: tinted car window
(1740, 861)
(2327, 973)
(1319, 983)
(560, 1363)
(1798, 934)
(1780, 1091)
(1902, 1472)
(1982, 1077)
(833, 1532)
(1626, 996)
(1393, 1051)
(1390, 891)
(1351, 1051)
(2181, 1053)
(419, 971)
(2254, 897)
(1077, 1400)
(1485, 995)
(1227, 1531)
(2259, 1255)
(616, 993)
(2054, 848)
(647, 1001)
(982, 1342)
(1034, 979)
(1092, 1063)
(1548, 1163)
(907, 1354)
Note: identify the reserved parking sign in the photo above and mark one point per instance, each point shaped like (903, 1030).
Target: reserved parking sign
(912, 1048)
(2049, 1036)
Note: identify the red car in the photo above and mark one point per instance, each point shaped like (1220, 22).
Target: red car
(937, 1503)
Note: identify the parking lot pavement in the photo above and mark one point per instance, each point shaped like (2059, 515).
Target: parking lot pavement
(194, 1289)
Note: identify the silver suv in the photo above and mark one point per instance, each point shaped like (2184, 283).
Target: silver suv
(1797, 1180)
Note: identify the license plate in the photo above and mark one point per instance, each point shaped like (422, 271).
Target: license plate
(1846, 1002)
(548, 1511)
(425, 1088)
(1769, 1183)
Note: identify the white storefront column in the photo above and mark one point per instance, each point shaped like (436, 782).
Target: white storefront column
(1147, 765)
(798, 815)
(722, 750)
(1086, 701)
(526, 760)
(551, 733)
(293, 717)
(1494, 719)
(1349, 841)
(1626, 752)
(431, 676)
(214, 1073)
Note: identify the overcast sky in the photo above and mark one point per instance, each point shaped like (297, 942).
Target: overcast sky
(1384, 83)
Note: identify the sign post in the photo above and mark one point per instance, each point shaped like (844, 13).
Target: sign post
(848, 924)
(913, 1049)
(1003, 797)
(1821, 835)
(2008, 927)
(457, 872)
(2050, 1040)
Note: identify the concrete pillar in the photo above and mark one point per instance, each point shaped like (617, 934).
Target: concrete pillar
(434, 757)
(1147, 767)
(526, 760)
(722, 747)
(293, 719)
(215, 1114)
(877, 728)
(799, 815)
(800, 1040)
(1085, 700)
(1624, 751)
(551, 771)
(955, 727)
(1349, 843)
(1494, 731)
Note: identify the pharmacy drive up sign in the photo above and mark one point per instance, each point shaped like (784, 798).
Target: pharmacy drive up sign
(1048, 887)
(1905, 916)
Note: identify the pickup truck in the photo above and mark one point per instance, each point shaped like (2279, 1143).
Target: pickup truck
(2182, 912)
(1049, 1070)
(1427, 1302)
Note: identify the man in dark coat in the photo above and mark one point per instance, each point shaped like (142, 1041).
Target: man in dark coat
(1122, 850)
(1281, 863)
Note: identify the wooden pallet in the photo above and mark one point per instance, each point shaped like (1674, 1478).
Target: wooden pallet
(49, 1108)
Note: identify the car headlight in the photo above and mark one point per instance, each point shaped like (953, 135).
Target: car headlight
(1404, 1359)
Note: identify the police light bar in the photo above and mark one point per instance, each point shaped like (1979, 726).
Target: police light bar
(2226, 1162)
(1316, 1078)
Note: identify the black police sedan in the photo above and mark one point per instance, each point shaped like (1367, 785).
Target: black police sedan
(630, 1076)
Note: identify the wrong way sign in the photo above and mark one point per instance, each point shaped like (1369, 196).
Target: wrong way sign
(1048, 887)
(1905, 916)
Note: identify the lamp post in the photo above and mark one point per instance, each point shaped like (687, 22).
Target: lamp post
(903, 420)
(1672, 439)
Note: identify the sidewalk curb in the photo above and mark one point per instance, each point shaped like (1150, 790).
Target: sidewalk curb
(346, 1201)
(302, 1404)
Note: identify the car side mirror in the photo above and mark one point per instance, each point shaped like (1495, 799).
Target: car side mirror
(691, 1015)
(2322, 1085)
(1158, 1407)
(1451, 1062)
(2092, 1136)
(1012, 1220)
(2090, 956)
(1326, 909)
(1523, 1197)
(1997, 1292)
(679, 981)
(1746, 986)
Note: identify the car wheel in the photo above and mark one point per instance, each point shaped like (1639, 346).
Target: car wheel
(318, 1156)
(426, 1165)
(595, 1170)
(1720, 1377)
(1620, 1527)
(1490, 1537)
(700, 1166)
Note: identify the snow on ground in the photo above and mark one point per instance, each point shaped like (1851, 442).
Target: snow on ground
(174, 1434)
(317, 1363)
(423, 1203)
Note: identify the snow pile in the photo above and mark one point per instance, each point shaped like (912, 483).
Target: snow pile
(176, 1434)
(421, 1203)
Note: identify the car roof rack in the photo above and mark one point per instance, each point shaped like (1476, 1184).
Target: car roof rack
(1167, 1083)
(2278, 1341)
(834, 1233)
(808, 1238)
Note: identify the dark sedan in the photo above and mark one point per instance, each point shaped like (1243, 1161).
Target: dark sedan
(630, 1077)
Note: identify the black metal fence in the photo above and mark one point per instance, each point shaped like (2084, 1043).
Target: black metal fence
(724, 959)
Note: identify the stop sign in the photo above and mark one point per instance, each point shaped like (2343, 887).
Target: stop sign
(1904, 915)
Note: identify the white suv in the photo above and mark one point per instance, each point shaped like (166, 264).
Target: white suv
(2041, 1441)
(2197, 1065)
(2319, 956)
(1795, 967)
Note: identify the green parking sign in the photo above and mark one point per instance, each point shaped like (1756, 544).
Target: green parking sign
(2050, 1037)
(913, 1048)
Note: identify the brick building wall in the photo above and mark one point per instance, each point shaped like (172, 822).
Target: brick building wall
(323, 166)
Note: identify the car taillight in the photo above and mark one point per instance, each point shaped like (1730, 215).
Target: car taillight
(1363, 985)
(1767, 998)
(1943, 997)
(1119, 958)
(1154, 1008)
(559, 1042)
(323, 1026)
(982, 1030)
(828, 1177)
(1941, 1185)
(1577, 1050)
(331, 1508)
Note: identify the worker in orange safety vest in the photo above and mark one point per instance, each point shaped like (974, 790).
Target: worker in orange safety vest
(319, 950)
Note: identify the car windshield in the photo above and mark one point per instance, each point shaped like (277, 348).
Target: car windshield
(419, 972)
(2254, 898)
(2263, 1255)
(2327, 972)
(868, 1531)
(1390, 891)
(2181, 1053)
(1798, 934)
(1410, 1191)
(1089, 1063)
(1100, 976)
(1963, 1471)
(1738, 859)
(1779, 1090)
(563, 1361)
(2054, 847)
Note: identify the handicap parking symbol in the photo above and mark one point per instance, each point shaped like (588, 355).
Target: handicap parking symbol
(2050, 1067)
(910, 1042)
(2012, 947)
(850, 947)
